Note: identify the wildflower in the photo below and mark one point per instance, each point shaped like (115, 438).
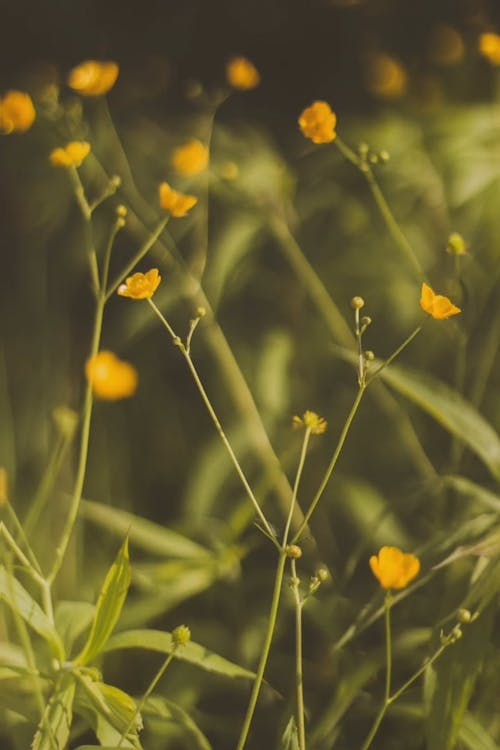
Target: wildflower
(456, 244)
(393, 568)
(293, 551)
(17, 113)
(317, 122)
(175, 203)
(140, 285)
(93, 77)
(71, 155)
(386, 77)
(242, 74)
(181, 635)
(489, 47)
(446, 45)
(437, 305)
(190, 159)
(110, 377)
(311, 421)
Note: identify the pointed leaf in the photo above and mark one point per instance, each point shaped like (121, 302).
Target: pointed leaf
(109, 606)
(57, 718)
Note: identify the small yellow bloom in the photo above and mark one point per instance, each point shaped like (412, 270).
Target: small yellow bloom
(175, 203)
(93, 77)
(17, 113)
(141, 285)
(4, 487)
(317, 122)
(110, 377)
(489, 47)
(386, 77)
(71, 155)
(437, 305)
(393, 568)
(190, 159)
(312, 421)
(242, 74)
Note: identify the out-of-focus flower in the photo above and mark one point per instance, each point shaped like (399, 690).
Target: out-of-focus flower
(456, 244)
(229, 170)
(446, 46)
(191, 158)
(141, 285)
(93, 77)
(437, 305)
(110, 377)
(4, 487)
(311, 421)
(242, 74)
(17, 112)
(489, 47)
(393, 568)
(386, 77)
(71, 155)
(174, 202)
(317, 122)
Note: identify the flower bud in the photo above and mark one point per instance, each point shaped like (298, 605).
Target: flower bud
(357, 303)
(181, 635)
(293, 551)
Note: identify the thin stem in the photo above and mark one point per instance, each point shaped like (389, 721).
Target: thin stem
(393, 356)
(185, 353)
(21, 535)
(80, 194)
(273, 614)
(305, 443)
(388, 672)
(298, 657)
(332, 464)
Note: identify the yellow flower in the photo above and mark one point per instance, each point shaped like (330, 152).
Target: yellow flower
(71, 155)
(110, 377)
(4, 487)
(393, 568)
(175, 203)
(386, 77)
(437, 305)
(489, 47)
(17, 113)
(93, 77)
(312, 421)
(141, 285)
(242, 74)
(190, 159)
(446, 45)
(317, 122)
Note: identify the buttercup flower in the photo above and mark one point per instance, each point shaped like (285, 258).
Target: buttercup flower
(174, 202)
(489, 47)
(93, 77)
(317, 122)
(71, 155)
(242, 74)
(393, 568)
(312, 421)
(190, 159)
(141, 285)
(17, 113)
(110, 377)
(437, 305)
(386, 77)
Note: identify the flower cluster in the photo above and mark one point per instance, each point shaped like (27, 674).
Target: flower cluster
(317, 122)
(141, 285)
(190, 159)
(437, 305)
(93, 77)
(393, 568)
(17, 112)
(71, 155)
(242, 74)
(177, 204)
(110, 377)
(312, 422)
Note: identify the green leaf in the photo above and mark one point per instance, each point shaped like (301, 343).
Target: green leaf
(165, 710)
(474, 736)
(109, 711)
(72, 619)
(468, 488)
(290, 737)
(22, 603)
(150, 536)
(157, 640)
(58, 716)
(109, 606)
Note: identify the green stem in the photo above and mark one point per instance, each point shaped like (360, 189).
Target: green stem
(298, 658)
(388, 673)
(206, 400)
(394, 355)
(305, 443)
(271, 626)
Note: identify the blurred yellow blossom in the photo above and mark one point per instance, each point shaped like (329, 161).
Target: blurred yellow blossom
(110, 377)
(386, 77)
(93, 77)
(71, 155)
(446, 46)
(311, 421)
(4, 487)
(191, 158)
(174, 202)
(229, 170)
(317, 122)
(141, 285)
(437, 305)
(242, 74)
(17, 112)
(393, 568)
(489, 47)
